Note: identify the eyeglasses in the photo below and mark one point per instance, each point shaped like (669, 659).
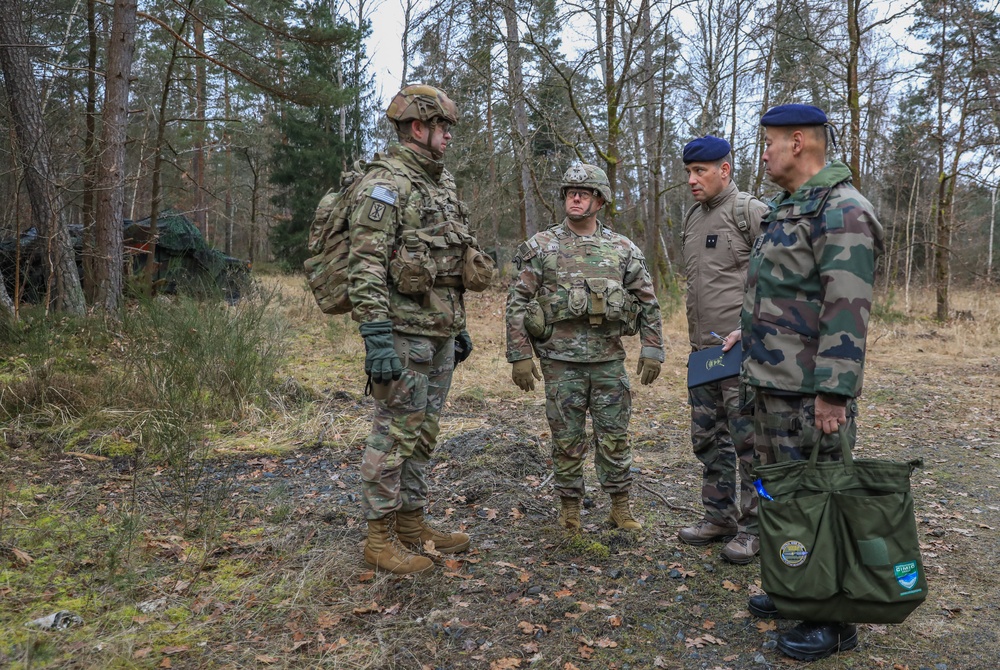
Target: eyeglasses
(572, 193)
(444, 125)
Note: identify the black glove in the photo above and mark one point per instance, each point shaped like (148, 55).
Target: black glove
(381, 362)
(463, 346)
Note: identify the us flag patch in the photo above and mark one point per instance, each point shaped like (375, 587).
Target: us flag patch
(382, 194)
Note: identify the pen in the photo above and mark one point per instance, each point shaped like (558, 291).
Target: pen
(715, 334)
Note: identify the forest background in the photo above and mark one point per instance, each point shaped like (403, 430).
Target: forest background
(242, 114)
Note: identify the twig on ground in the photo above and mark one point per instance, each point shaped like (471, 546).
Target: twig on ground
(676, 508)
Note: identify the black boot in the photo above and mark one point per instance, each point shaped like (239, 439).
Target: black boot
(812, 641)
(762, 606)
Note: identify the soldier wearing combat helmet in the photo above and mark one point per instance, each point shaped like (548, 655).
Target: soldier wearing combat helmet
(412, 257)
(580, 287)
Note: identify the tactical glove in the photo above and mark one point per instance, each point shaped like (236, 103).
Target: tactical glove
(463, 346)
(522, 374)
(381, 362)
(648, 370)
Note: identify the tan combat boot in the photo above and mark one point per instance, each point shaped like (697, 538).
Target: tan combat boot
(621, 512)
(384, 552)
(569, 513)
(414, 531)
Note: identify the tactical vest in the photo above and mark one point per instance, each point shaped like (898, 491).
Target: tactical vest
(433, 246)
(589, 283)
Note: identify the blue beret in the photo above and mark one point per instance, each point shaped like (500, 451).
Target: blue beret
(706, 149)
(794, 115)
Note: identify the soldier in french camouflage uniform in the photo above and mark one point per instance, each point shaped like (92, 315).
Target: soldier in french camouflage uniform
(411, 259)
(718, 233)
(805, 319)
(579, 288)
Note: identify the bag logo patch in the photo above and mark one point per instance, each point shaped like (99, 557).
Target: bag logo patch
(793, 553)
(906, 575)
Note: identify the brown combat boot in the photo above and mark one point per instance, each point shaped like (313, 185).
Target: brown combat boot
(569, 513)
(414, 531)
(704, 532)
(742, 548)
(384, 552)
(621, 512)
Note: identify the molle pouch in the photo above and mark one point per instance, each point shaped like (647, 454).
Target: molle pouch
(402, 347)
(598, 307)
(630, 315)
(412, 269)
(478, 270)
(534, 321)
(616, 301)
(577, 300)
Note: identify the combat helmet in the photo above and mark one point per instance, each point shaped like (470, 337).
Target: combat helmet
(582, 175)
(420, 101)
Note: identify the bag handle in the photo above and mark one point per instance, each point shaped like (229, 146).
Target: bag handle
(845, 450)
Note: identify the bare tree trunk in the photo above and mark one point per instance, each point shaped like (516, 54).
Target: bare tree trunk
(65, 293)
(853, 92)
(89, 248)
(161, 133)
(111, 169)
(200, 214)
(652, 136)
(526, 199)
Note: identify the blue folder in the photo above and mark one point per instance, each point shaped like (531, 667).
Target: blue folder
(712, 365)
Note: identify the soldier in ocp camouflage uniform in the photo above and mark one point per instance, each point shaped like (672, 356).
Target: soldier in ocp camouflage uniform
(411, 259)
(719, 230)
(579, 288)
(805, 319)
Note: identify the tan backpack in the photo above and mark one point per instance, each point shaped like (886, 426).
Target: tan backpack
(330, 237)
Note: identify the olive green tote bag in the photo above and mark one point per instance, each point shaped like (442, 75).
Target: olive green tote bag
(838, 539)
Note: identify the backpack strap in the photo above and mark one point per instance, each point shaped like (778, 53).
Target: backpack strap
(741, 212)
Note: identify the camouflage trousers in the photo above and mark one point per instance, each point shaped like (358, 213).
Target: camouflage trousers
(571, 390)
(406, 426)
(785, 429)
(723, 441)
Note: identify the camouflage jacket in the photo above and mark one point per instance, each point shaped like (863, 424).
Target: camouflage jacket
(416, 197)
(558, 268)
(809, 290)
(716, 253)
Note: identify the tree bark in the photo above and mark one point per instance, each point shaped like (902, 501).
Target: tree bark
(111, 170)
(65, 292)
(515, 75)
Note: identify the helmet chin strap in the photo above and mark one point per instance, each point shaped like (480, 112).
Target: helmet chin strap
(587, 214)
(436, 154)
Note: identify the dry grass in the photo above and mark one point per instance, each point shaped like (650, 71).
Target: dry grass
(269, 574)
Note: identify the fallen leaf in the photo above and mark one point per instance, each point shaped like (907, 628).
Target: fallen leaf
(569, 666)
(563, 593)
(165, 663)
(530, 647)
(328, 620)
(526, 627)
(708, 625)
(370, 608)
(454, 564)
(764, 626)
(615, 620)
(430, 550)
(367, 575)
(585, 607)
(585, 651)
(729, 586)
(505, 663)
(516, 514)
(170, 651)
(264, 658)
(142, 653)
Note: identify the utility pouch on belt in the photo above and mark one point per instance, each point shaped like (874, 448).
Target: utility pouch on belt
(412, 269)
(577, 304)
(478, 270)
(534, 321)
(598, 289)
